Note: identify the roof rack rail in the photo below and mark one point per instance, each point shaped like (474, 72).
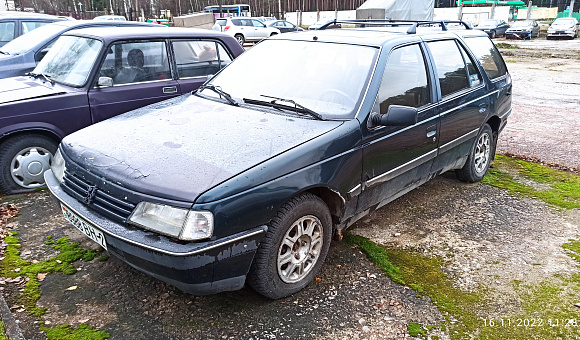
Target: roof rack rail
(443, 23)
(396, 23)
(369, 22)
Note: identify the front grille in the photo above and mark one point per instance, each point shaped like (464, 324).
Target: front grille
(97, 199)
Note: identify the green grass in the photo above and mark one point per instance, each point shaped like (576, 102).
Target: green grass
(564, 187)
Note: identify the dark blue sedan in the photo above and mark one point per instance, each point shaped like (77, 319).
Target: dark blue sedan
(93, 74)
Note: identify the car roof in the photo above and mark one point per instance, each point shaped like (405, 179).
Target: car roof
(28, 15)
(69, 23)
(159, 32)
(376, 36)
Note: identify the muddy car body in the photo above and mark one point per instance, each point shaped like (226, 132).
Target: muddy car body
(208, 191)
(111, 71)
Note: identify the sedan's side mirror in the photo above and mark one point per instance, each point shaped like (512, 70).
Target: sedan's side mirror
(105, 82)
(397, 115)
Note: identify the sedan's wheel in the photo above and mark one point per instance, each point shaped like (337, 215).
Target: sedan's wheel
(492, 34)
(293, 249)
(23, 161)
(480, 157)
(240, 38)
(273, 34)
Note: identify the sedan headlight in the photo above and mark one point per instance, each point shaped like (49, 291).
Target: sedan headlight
(58, 166)
(183, 224)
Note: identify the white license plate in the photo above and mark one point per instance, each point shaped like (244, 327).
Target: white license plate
(87, 229)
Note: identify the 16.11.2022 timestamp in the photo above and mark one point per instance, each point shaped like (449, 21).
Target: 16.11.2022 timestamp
(531, 322)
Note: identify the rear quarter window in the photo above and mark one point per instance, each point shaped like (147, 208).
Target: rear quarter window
(488, 55)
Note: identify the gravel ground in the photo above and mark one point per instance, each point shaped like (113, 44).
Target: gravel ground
(495, 238)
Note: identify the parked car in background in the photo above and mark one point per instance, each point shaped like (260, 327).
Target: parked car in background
(563, 28)
(323, 22)
(493, 27)
(266, 20)
(244, 29)
(525, 29)
(90, 75)
(110, 17)
(246, 181)
(14, 25)
(284, 26)
(23, 54)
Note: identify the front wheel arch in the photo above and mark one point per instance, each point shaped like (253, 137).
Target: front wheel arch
(287, 259)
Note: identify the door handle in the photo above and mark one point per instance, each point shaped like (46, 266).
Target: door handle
(482, 108)
(170, 89)
(431, 132)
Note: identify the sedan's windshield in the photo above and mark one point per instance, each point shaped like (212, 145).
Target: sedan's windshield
(326, 78)
(522, 24)
(70, 60)
(28, 41)
(488, 23)
(564, 22)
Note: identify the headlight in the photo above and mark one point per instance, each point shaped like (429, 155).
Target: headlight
(58, 166)
(181, 223)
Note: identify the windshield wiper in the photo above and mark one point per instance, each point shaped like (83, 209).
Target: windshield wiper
(219, 91)
(4, 52)
(296, 106)
(45, 76)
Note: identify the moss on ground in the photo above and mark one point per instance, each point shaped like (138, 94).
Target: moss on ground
(548, 308)
(2, 331)
(415, 329)
(14, 266)
(545, 306)
(82, 332)
(564, 186)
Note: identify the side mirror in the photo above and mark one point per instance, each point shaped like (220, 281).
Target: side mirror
(397, 115)
(38, 57)
(105, 82)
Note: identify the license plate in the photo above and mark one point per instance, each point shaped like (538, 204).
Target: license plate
(85, 228)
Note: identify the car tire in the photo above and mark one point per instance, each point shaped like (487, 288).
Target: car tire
(287, 259)
(492, 34)
(479, 158)
(240, 38)
(23, 161)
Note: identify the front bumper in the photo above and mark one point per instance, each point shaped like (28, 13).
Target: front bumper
(518, 35)
(197, 268)
(564, 34)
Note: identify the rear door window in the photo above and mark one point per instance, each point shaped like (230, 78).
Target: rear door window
(488, 55)
(450, 66)
(199, 58)
(28, 26)
(6, 31)
(405, 79)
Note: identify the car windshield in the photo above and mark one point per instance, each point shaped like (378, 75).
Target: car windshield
(522, 24)
(30, 40)
(70, 60)
(326, 78)
(562, 22)
(488, 23)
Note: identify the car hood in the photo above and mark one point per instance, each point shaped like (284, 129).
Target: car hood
(182, 147)
(23, 88)
(562, 26)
